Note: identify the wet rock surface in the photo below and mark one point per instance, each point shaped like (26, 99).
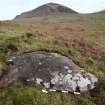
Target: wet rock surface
(51, 70)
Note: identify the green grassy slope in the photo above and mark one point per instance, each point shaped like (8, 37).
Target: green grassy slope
(80, 37)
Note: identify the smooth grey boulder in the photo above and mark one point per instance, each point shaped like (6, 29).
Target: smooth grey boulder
(51, 70)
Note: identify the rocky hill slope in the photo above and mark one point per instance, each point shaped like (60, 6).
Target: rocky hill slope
(46, 9)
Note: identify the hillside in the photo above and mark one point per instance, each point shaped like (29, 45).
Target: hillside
(46, 9)
(102, 12)
(80, 38)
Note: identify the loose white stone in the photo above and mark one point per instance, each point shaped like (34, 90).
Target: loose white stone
(52, 90)
(77, 93)
(64, 91)
(44, 91)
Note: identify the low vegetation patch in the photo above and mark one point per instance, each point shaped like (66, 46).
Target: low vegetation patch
(81, 38)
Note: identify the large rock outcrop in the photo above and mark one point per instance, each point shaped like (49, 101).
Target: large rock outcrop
(51, 70)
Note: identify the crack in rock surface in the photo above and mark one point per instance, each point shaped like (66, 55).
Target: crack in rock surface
(51, 70)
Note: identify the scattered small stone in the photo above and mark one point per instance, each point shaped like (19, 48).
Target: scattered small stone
(44, 91)
(64, 91)
(52, 90)
(76, 93)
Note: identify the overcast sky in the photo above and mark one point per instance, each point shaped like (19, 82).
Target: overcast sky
(10, 8)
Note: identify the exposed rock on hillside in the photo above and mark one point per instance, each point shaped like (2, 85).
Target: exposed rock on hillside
(51, 70)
